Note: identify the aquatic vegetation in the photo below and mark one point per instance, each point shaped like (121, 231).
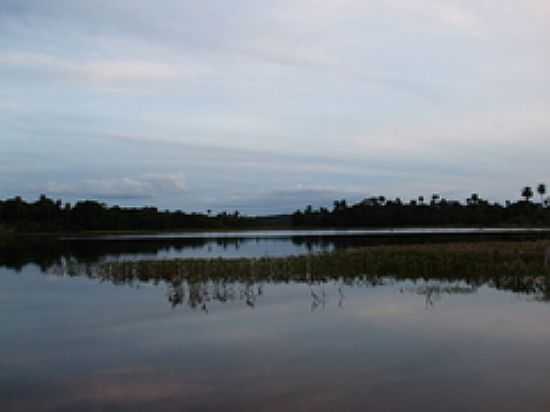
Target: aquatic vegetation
(522, 267)
(456, 260)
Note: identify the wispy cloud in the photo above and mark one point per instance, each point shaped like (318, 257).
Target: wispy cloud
(107, 73)
(123, 188)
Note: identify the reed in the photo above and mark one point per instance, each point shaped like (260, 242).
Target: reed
(461, 260)
(521, 267)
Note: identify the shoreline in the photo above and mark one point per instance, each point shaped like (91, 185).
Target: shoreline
(292, 231)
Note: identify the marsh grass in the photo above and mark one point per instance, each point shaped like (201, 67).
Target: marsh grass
(460, 260)
(436, 269)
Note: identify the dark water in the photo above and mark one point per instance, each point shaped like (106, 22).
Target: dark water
(75, 343)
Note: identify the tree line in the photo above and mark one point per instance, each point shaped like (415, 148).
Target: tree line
(377, 211)
(48, 215)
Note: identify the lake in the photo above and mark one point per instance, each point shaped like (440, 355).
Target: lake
(75, 337)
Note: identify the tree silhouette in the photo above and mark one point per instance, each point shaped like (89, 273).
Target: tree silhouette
(46, 215)
(476, 211)
(527, 193)
(541, 190)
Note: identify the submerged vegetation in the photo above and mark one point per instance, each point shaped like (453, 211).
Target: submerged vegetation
(48, 215)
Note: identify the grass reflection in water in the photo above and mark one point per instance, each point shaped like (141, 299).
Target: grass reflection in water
(521, 267)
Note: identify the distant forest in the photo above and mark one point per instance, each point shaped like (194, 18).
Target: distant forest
(47, 215)
(436, 211)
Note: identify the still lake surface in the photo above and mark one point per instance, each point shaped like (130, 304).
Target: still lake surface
(74, 343)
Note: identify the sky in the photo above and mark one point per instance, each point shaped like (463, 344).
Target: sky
(267, 106)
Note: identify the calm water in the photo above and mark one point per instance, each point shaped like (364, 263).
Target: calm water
(75, 343)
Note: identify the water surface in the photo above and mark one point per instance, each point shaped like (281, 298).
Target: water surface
(371, 343)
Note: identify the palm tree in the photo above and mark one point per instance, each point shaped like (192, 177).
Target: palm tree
(527, 193)
(340, 204)
(541, 190)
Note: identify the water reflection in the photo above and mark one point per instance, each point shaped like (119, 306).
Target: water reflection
(47, 252)
(326, 263)
(198, 295)
(391, 328)
(434, 292)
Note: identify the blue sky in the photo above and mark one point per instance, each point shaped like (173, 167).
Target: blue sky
(266, 106)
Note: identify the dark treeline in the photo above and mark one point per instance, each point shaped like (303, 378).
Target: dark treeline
(46, 252)
(47, 215)
(437, 211)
